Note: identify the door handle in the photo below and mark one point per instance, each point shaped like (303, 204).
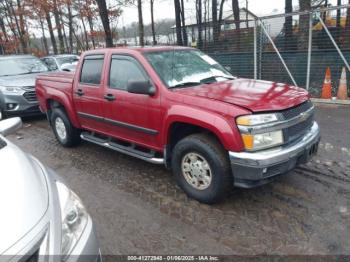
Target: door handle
(109, 97)
(79, 92)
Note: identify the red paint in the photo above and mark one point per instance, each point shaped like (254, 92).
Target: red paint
(213, 106)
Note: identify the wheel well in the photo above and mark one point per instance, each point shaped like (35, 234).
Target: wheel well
(178, 131)
(51, 104)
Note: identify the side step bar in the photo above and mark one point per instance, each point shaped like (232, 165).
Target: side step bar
(128, 150)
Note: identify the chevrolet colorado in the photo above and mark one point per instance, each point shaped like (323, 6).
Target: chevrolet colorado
(177, 106)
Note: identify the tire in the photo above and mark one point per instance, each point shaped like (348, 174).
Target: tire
(200, 155)
(65, 132)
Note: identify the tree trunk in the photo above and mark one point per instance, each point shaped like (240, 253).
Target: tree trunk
(22, 31)
(91, 25)
(184, 31)
(339, 2)
(52, 36)
(141, 29)
(3, 28)
(214, 15)
(221, 12)
(64, 34)
(236, 15)
(304, 5)
(288, 25)
(58, 26)
(105, 22)
(237, 18)
(199, 22)
(85, 35)
(178, 22)
(70, 28)
(152, 23)
(43, 36)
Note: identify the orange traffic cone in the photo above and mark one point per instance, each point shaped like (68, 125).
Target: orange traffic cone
(327, 85)
(343, 87)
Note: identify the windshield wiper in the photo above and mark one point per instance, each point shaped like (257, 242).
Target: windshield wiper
(185, 84)
(212, 79)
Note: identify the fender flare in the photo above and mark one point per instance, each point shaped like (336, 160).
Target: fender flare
(219, 125)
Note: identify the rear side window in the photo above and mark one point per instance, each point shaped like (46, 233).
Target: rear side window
(122, 70)
(92, 70)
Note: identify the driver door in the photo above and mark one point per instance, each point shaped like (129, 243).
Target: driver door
(131, 117)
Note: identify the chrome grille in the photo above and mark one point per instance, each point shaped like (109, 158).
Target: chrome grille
(297, 131)
(30, 96)
(297, 110)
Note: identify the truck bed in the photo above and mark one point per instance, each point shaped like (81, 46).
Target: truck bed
(54, 86)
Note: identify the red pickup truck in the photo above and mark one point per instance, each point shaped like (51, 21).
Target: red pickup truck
(177, 106)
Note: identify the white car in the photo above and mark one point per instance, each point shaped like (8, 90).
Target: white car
(64, 62)
(40, 215)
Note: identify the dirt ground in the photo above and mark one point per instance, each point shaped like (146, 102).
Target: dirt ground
(138, 209)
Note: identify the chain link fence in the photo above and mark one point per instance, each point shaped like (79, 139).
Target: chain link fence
(294, 48)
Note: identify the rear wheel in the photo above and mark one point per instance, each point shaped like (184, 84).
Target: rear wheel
(65, 132)
(202, 168)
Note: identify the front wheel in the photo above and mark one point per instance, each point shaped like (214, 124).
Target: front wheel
(202, 168)
(65, 132)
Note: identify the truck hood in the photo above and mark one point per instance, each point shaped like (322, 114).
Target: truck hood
(23, 195)
(18, 80)
(254, 95)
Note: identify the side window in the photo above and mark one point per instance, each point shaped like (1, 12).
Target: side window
(91, 70)
(122, 70)
(51, 64)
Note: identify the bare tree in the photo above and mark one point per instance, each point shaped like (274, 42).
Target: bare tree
(141, 29)
(236, 15)
(304, 5)
(152, 23)
(105, 22)
(183, 20)
(288, 24)
(214, 15)
(178, 22)
(199, 22)
(56, 15)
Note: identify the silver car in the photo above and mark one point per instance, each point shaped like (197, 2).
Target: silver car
(17, 81)
(40, 215)
(63, 62)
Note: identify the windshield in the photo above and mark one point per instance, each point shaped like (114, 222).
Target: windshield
(67, 60)
(20, 66)
(186, 67)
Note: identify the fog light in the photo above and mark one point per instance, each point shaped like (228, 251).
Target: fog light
(11, 106)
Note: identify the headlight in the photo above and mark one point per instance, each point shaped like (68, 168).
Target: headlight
(74, 219)
(10, 90)
(261, 141)
(252, 120)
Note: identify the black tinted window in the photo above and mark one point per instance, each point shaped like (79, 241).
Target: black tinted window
(123, 70)
(92, 70)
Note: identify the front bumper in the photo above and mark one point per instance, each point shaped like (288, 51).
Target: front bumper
(258, 168)
(23, 107)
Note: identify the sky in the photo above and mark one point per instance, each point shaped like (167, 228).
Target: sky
(165, 9)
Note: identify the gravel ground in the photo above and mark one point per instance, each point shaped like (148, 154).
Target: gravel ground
(138, 209)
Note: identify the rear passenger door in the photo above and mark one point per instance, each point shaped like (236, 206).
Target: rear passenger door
(87, 93)
(132, 117)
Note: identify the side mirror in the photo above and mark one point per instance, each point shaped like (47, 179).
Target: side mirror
(141, 87)
(10, 125)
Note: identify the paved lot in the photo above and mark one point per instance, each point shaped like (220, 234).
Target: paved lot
(138, 209)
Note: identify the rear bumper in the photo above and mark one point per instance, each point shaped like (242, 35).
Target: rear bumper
(258, 168)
